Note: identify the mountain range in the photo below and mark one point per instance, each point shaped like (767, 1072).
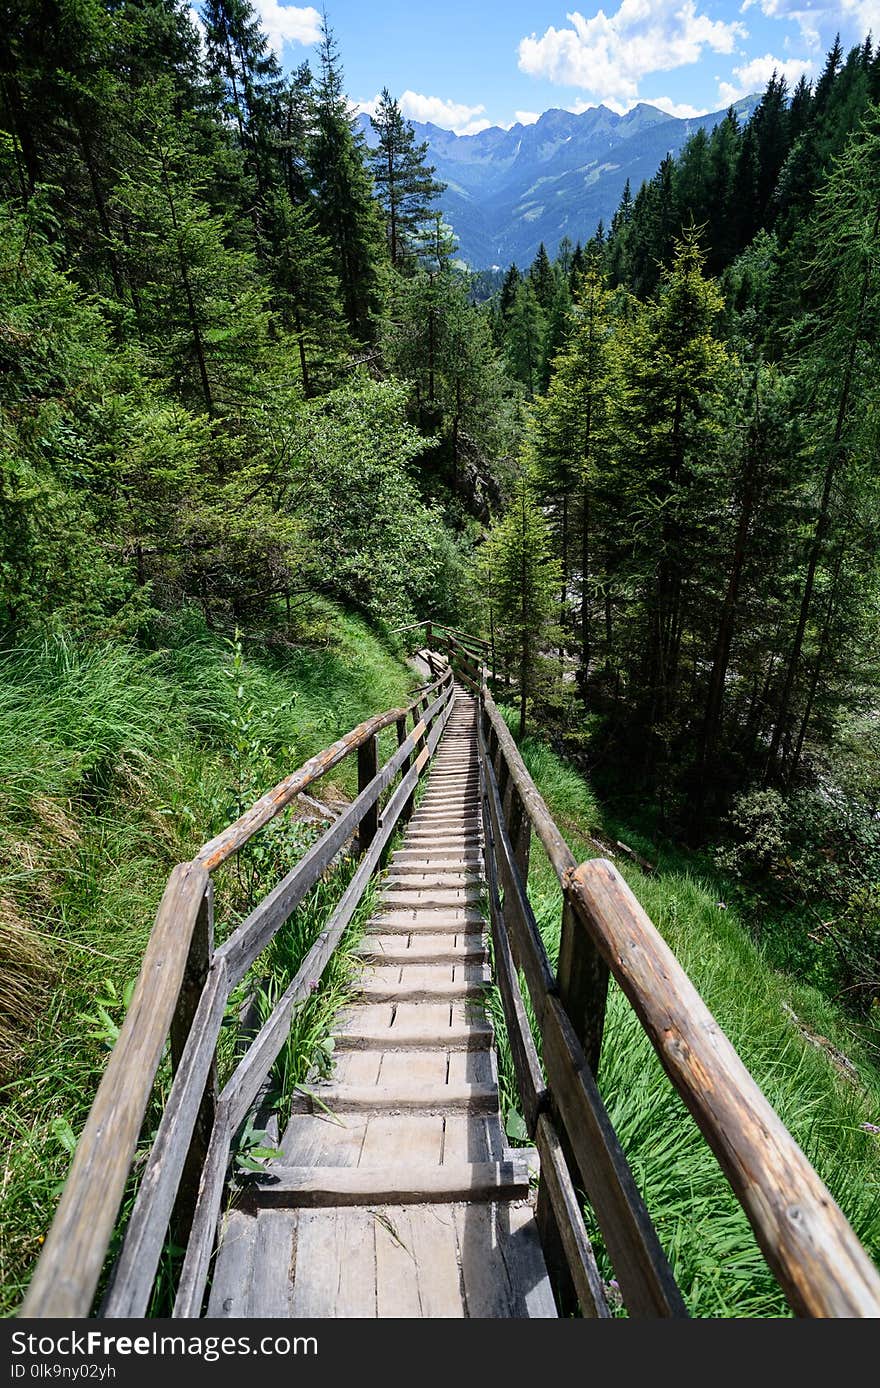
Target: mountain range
(509, 190)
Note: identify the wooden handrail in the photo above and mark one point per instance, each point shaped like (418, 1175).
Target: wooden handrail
(819, 1263)
(185, 997)
(70, 1264)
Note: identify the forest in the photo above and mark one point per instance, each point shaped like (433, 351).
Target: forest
(256, 414)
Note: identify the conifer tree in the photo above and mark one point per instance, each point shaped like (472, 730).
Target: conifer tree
(522, 578)
(571, 436)
(348, 216)
(404, 182)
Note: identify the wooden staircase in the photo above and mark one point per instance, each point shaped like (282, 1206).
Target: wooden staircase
(396, 1195)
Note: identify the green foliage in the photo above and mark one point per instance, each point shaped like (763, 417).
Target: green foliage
(520, 578)
(117, 763)
(791, 1038)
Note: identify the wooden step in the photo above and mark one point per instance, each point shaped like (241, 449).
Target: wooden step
(375, 1098)
(441, 949)
(458, 1038)
(384, 990)
(445, 869)
(314, 1186)
(442, 921)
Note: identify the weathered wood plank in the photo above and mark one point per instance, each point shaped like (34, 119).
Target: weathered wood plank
(67, 1274)
(406, 1183)
(569, 1222)
(558, 851)
(819, 1262)
(235, 1260)
(368, 769)
(194, 1273)
(270, 1291)
(583, 984)
(646, 1283)
(142, 1247)
(343, 1098)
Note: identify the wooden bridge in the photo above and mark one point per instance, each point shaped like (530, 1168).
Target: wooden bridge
(395, 1193)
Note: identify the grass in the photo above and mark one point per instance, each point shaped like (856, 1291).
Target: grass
(701, 1226)
(115, 763)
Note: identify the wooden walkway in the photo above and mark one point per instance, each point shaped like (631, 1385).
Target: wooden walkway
(396, 1195)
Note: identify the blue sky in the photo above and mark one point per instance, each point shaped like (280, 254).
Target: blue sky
(466, 64)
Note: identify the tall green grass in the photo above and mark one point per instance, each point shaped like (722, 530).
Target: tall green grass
(713, 1253)
(115, 763)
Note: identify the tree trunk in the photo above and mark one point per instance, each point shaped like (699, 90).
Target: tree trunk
(190, 302)
(584, 670)
(821, 530)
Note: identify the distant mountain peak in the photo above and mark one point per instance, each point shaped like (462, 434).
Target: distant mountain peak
(509, 190)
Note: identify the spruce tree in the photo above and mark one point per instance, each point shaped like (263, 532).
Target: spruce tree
(347, 213)
(404, 182)
(521, 578)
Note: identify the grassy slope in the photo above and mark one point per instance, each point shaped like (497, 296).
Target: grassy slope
(714, 1256)
(114, 765)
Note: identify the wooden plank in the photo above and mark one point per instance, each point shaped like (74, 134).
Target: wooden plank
(368, 769)
(407, 1139)
(434, 1245)
(419, 1067)
(569, 1222)
(556, 848)
(194, 1273)
(67, 1274)
(501, 1263)
(583, 984)
(819, 1262)
(270, 1291)
(526, 1270)
(406, 1183)
(640, 1265)
(313, 1139)
(397, 1286)
(466, 1139)
(318, 1265)
(234, 1265)
(195, 977)
(136, 1267)
(340, 1098)
(356, 1253)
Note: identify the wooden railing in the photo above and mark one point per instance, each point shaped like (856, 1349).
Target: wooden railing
(819, 1263)
(180, 999)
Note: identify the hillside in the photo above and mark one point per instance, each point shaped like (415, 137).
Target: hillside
(509, 190)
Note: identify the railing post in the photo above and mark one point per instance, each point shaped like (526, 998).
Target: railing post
(201, 952)
(368, 769)
(520, 835)
(404, 767)
(582, 975)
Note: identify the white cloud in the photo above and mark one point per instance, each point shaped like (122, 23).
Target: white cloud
(288, 23)
(681, 109)
(527, 117)
(449, 115)
(754, 75)
(858, 16)
(608, 55)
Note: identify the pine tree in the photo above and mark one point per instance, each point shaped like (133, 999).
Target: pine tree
(404, 182)
(521, 579)
(239, 57)
(347, 213)
(571, 437)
